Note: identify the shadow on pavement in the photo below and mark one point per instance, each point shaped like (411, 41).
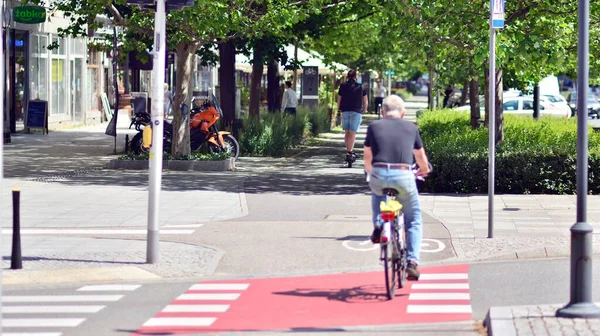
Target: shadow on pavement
(35, 155)
(360, 294)
(84, 261)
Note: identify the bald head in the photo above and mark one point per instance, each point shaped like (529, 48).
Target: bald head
(393, 104)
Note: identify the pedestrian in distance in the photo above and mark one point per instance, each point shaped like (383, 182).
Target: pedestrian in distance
(290, 99)
(379, 92)
(352, 103)
(168, 102)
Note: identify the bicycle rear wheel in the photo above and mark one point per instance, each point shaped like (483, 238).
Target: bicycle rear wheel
(390, 267)
(401, 262)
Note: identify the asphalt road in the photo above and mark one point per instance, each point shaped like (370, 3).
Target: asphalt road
(527, 282)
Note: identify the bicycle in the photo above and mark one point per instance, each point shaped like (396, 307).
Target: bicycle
(393, 244)
(393, 239)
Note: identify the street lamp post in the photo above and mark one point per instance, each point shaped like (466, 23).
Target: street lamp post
(581, 304)
(156, 151)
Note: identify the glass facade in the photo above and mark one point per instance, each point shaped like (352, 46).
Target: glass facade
(59, 78)
(38, 74)
(58, 75)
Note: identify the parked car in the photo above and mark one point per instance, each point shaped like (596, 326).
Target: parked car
(523, 105)
(593, 104)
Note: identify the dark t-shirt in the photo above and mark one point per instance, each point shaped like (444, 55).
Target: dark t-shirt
(351, 93)
(393, 140)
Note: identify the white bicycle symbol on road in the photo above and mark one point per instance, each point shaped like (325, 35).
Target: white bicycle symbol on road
(366, 245)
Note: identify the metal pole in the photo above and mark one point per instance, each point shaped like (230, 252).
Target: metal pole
(16, 261)
(2, 93)
(156, 152)
(115, 62)
(389, 82)
(536, 101)
(581, 304)
(491, 127)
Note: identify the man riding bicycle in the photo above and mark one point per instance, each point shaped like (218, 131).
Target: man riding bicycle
(389, 148)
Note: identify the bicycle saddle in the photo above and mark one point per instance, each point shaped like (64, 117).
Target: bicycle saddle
(390, 206)
(390, 192)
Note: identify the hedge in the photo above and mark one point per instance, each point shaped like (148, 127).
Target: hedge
(536, 157)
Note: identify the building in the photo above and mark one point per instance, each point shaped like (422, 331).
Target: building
(68, 77)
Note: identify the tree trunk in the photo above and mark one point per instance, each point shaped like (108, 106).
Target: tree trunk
(227, 85)
(295, 76)
(474, 102)
(273, 88)
(183, 94)
(431, 90)
(255, 83)
(465, 93)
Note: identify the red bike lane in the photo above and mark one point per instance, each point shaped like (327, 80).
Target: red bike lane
(315, 302)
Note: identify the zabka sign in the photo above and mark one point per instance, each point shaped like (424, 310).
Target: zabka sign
(29, 14)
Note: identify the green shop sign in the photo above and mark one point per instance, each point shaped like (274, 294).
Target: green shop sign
(29, 14)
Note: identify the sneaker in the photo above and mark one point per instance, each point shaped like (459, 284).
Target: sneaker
(376, 235)
(412, 271)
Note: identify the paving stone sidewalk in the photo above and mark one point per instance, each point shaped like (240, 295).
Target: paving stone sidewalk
(537, 321)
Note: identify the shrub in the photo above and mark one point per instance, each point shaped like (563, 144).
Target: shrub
(272, 134)
(404, 94)
(535, 157)
(318, 119)
(275, 134)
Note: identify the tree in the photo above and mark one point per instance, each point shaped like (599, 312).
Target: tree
(187, 30)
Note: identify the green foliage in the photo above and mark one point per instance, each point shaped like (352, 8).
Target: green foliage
(318, 119)
(536, 156)
(404, 94)
(274, 134)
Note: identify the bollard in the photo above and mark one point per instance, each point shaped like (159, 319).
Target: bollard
(126, 143)
(15, 260)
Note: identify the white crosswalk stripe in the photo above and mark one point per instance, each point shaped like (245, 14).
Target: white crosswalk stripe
(180, 322)
(51, 315)
(109, 288)
(50, 309)
(32, 334)
(440, 293)
(208, 286)
(217, 296)
(439, 309)
(176, 316)
(179, 308)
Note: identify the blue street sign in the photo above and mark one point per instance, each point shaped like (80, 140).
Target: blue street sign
(497, 13)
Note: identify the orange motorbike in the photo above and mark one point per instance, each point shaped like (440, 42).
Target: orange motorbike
(204, 135)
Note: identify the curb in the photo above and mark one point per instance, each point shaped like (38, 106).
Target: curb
(500, 321)
(75, 275)
(176, 165)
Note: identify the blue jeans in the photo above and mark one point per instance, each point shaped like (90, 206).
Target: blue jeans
(408, 195)
(351, 121)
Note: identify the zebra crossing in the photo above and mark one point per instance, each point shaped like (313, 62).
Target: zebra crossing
(51, 315)
(186, 312)
(440, 293)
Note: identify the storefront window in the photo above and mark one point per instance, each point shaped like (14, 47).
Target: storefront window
(59, 78)
(38, 72)
(76, 67)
